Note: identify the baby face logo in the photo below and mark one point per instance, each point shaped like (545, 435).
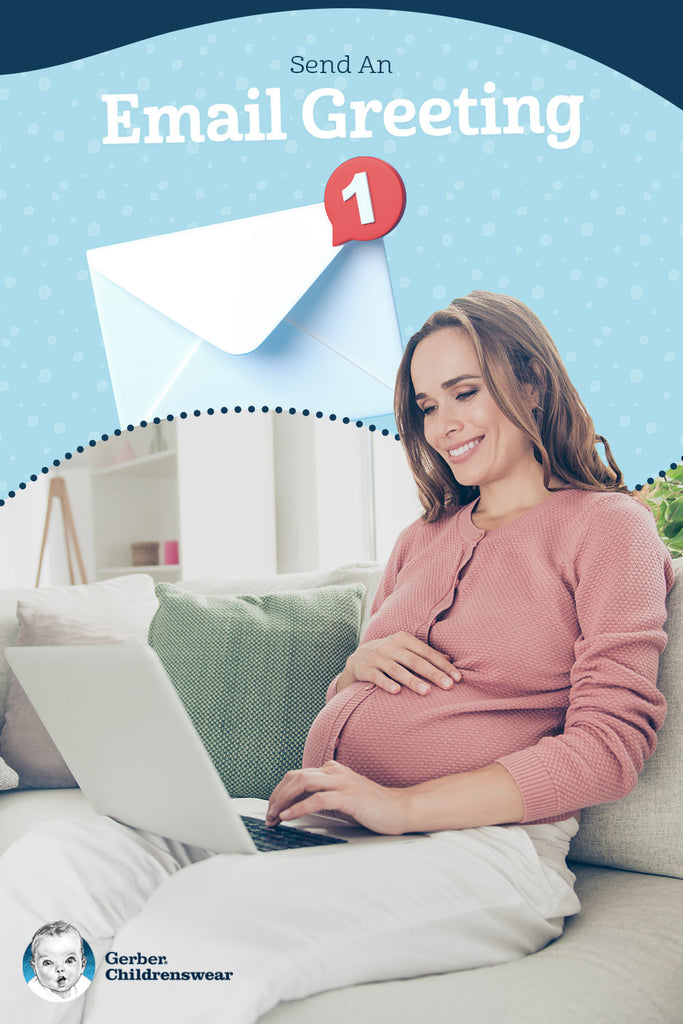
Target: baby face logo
(58, 964)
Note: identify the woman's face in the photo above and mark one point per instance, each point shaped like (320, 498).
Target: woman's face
(461, 420)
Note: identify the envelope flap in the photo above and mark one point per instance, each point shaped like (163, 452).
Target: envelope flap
(231, 283)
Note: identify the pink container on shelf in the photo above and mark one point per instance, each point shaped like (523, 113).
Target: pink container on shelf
(171, 552)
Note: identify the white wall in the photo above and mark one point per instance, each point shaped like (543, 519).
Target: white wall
(22, 520)
(295, 493)
(227, 501)
(395, 493)
(342, 493)
(261, 493)
(343, 468)
(21, 528)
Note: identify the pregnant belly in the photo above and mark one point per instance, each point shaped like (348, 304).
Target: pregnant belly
(403, 739)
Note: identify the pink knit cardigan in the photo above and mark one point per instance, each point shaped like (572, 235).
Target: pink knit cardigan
(555, 620)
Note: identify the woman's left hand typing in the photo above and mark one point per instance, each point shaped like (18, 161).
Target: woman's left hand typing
(334, 787)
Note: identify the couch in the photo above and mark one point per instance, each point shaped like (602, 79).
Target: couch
(620, 960)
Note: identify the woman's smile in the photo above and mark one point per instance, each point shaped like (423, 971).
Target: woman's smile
(464, 450)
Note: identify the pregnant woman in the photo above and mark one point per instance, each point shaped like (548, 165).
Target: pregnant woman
(505, 681)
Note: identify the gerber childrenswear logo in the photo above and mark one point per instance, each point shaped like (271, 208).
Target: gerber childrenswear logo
(144, 967)
(58, 964)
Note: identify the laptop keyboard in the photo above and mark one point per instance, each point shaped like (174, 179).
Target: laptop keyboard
(280, 837)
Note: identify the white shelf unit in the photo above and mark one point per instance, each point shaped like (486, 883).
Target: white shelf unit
(211, 488)
(244, 495)
(134, 501)
(155, 466)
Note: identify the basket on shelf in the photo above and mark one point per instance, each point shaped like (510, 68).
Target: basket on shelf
(145, 552)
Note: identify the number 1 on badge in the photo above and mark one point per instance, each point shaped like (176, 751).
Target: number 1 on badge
(380, 199)
(360, 188)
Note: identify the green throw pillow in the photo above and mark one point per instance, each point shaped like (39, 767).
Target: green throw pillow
(252, 671)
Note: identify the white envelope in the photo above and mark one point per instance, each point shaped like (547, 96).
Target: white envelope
(259, 311)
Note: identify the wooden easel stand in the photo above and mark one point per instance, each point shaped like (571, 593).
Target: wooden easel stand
(58, 490)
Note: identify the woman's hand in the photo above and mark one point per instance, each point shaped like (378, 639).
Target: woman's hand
(334, 787)
(399, 660)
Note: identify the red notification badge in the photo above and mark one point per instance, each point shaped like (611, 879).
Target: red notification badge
(364, 198)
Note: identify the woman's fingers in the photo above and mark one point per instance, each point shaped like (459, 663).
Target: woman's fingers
(312, 803)
(420, 666)
(334, 787)
(441, 667)
(403, 660)
(395, 676)
(295, 788)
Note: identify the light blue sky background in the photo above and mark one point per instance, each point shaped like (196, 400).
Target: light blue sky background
(589, 236)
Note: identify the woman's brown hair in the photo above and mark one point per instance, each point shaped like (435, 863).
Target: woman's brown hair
(516, 354)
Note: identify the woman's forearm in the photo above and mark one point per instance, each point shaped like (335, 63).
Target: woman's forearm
(484, 796)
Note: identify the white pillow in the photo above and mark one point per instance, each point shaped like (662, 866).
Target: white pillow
(367, 573)
(25, 743)
(9, 628)
(8, 777)
(127, 602)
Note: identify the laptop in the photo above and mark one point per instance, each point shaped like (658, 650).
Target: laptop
(126, 737)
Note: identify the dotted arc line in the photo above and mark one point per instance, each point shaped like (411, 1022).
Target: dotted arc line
(238, 409)
(183, 416)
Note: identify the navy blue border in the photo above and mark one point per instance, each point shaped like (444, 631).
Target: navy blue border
(642, 43)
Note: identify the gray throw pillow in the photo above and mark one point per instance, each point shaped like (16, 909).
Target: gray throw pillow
(252, 671)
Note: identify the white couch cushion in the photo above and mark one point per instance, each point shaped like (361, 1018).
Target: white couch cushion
(128, 602)
(618, 962)
(367, 573)
(116, 610)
